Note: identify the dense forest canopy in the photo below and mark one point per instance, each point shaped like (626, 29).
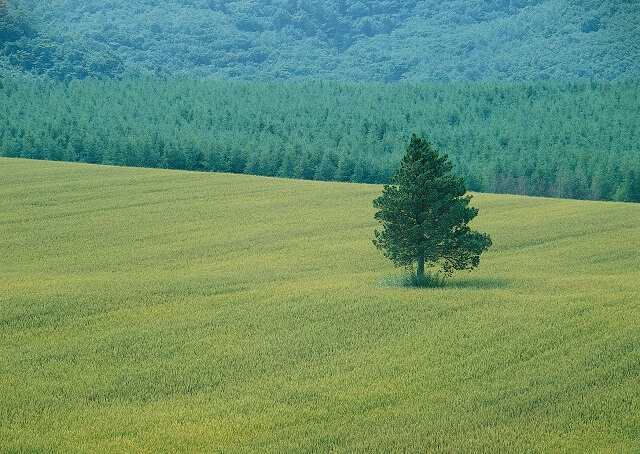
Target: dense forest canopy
(374, 40)
(573, 139)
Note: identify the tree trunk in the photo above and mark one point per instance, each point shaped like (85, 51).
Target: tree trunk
(420, 271)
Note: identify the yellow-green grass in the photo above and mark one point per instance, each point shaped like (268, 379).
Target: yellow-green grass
(151, 310)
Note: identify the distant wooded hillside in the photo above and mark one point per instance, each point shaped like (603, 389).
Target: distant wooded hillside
(375, 40)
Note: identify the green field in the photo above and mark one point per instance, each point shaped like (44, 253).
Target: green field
(147, 310)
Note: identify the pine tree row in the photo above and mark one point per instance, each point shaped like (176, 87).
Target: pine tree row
(577, 140)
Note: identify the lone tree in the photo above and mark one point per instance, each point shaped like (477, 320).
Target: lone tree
(424, 215)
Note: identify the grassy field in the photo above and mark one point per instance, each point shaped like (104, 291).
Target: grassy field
(147, 310)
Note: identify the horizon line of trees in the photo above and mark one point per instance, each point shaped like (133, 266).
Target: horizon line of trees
(571, 140)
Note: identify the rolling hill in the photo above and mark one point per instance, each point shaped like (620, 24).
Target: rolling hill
(146, 309)
(349, 40)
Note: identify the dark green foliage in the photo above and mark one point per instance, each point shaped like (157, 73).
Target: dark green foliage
(24, 49)
(573, 140)
(381, 40)
(424, 215)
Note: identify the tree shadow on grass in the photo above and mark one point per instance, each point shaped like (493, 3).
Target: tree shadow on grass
(487, 283)
(468, 283)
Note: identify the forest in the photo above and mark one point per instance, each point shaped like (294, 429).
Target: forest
(346, 40)
(536, 97)
(558, 139)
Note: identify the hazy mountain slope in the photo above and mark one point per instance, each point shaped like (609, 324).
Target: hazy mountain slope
(384, 40)
(152, 310)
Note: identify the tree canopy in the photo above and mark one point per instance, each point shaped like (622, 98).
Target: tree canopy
(349, 40)
(425, 214)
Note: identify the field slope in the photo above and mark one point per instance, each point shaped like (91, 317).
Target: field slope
(145, 310)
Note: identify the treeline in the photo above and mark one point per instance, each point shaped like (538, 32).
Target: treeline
(575, 140)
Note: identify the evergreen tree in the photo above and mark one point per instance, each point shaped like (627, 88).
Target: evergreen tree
(345, 168)
(326, 170)
(633, 188)
(288, 164)
(424, 215)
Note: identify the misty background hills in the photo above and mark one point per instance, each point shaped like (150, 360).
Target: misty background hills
(378, 40)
